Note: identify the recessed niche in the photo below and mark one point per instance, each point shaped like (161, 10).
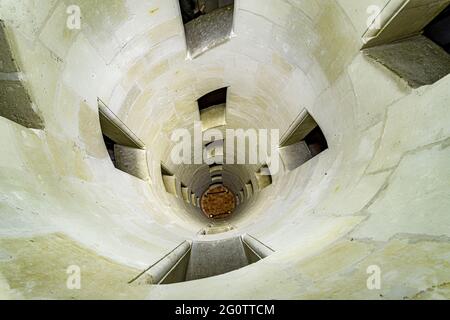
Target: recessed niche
(213, 98)
(414, 42)
(186, 194)
(263, 177)
(241, 195)
(207, 24)
(169, 180)
(15, 101)
(438, 30)
(214, 152)
(216, 174)
(249, 189)
(217, 179)
(212, 108)
(126, 151)
(194, 200)
(303, 141)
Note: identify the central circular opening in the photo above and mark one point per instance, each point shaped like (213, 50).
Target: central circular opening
(218, 202)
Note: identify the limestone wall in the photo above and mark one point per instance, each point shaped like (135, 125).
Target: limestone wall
(378, 195)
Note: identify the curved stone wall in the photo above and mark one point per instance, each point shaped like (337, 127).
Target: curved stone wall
(378, 195)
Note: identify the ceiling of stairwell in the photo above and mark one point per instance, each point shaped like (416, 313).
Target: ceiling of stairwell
(132, 55)
(362, 201)
(158, 93)
(135, 57)
(161, 84)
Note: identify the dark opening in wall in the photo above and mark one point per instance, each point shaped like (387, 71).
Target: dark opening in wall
(190, 10)
(125, 149)
(208, 23)
(316, 141)
(414, 41)
(110, 147)
(212, 108)
(214, 98)
(165, 171)
(439, 30)
(303, 141)
(193, 9)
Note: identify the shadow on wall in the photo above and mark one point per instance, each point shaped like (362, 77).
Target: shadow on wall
(15, 103)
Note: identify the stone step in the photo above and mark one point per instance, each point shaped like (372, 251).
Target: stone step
(212, 258)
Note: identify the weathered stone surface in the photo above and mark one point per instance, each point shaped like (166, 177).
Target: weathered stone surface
(7, 63)
(212, 258)
(132, 161)
(263, 178)
(15, 101)
(16, 105)
(29, 276)
(209, 31)
(170, 183)
(213, 117)
(295, 155)
(404, 19)
(377, 196)
(417, 60)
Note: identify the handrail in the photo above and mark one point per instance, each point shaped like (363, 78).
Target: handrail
(261, 249)
(119, 124)
(166, 263)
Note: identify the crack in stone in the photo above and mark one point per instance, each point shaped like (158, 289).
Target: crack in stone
(430, 289)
